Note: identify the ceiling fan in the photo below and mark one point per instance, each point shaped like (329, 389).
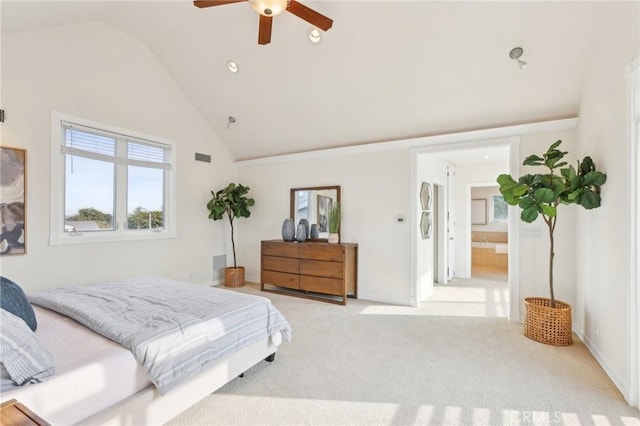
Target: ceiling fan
(270, 8)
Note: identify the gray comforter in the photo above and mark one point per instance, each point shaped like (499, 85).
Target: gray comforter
(172, 328)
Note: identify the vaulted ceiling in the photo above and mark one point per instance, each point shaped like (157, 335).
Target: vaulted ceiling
(387, 70)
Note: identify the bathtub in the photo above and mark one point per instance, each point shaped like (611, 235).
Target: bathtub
(499, 248)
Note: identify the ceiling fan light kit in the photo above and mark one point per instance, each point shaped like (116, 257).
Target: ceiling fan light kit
(270, 8)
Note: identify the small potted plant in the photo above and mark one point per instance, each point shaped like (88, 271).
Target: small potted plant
(333, 224)
(232, 202)
(549, 320)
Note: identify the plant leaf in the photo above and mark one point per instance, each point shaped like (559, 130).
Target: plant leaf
(529, 215)
(533, 160)
(590, 199)
(543, 195)
(548, 210)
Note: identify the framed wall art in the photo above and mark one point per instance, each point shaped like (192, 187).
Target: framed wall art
(324, 206)
(425, 225)
(425, 196)
(13, 175)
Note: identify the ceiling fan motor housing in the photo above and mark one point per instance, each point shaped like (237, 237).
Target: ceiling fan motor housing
(269, 7)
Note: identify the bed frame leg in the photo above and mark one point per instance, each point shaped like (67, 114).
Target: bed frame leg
(242, 375)
(271, 357)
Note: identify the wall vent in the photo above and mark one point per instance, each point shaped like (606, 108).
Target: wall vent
(203, 157)
(219, 263)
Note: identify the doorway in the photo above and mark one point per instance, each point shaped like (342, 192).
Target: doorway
(488, 232)
(468, 160)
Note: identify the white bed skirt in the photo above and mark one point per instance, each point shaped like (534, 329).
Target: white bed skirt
(148, 407)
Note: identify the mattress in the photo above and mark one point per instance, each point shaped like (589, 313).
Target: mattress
(92, 372)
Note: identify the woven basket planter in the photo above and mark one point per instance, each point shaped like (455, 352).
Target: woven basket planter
(234, 277)
(545, 324)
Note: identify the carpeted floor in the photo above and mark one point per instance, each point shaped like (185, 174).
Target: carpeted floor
(371, 364)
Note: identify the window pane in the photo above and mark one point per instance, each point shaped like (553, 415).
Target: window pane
(89, 194)
(500, 209)
(90, 142)
(144, 152)
(145, 198)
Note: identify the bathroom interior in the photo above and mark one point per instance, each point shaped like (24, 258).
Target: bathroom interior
(489, 234)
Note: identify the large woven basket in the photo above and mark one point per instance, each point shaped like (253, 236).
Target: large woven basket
(234, 277)
(545, 324)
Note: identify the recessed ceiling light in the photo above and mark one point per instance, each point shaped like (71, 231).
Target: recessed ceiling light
(314, 35)
(486, 157)
(233, 67)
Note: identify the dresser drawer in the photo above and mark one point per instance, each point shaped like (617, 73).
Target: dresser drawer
(320, 251)
(320, 268)
(277, 248)
(322, 285)
(281, 264)
(281, 279)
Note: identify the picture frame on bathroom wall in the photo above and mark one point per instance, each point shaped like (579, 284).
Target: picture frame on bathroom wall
(479, 211)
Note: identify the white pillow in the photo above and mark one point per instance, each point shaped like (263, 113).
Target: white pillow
(21, 352)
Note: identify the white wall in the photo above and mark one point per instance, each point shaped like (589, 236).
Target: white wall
(374, 191)
(603, 238)
(97, 73)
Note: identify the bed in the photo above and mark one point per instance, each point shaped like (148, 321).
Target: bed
(98, 381)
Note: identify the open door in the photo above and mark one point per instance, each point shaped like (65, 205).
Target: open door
(451, 223)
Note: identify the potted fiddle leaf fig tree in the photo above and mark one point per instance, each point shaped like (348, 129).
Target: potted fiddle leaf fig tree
(549, 320)
(231, 202)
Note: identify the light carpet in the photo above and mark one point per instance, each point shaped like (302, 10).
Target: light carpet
(372, 364)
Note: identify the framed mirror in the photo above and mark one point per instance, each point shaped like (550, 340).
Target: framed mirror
(313, 204)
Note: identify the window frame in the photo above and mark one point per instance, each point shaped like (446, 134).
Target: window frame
(58, 236)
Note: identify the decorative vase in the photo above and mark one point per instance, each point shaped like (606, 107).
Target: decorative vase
(288, 230)
(234, 277)
(314, 231)
(334, 238)
(305, 222)
(301, 235)
(545, 324)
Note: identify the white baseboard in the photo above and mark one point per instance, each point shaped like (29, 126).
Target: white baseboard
(383, 299)
(621, 384)
(252, 279)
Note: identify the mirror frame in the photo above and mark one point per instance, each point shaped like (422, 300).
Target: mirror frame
(292, 201)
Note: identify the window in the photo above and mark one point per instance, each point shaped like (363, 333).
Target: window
(499, 209)
(109, 184)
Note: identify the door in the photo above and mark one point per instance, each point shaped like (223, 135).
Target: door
(451, 222)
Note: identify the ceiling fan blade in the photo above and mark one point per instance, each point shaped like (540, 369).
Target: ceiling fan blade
(264, 31)
(310, 15)
(209, 3)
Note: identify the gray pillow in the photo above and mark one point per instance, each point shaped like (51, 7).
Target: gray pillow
(13, 299)
(21, 352)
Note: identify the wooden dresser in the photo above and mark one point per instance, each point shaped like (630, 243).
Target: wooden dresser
(315, 270)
